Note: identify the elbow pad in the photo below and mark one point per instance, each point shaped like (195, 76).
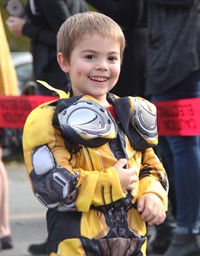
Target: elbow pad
(52, 184)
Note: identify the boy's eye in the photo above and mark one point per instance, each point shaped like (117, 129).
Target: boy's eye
(89, 57)
(112, 58)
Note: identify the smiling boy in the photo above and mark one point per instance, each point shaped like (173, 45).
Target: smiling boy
(89, 155)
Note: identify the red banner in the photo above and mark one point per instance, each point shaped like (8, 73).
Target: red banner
(175, 118)
(15, 109)
(179, 117)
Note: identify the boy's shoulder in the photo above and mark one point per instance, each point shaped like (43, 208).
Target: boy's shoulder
(138, 118)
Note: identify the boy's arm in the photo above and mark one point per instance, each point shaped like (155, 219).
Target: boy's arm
(67, 188)
(153, 177)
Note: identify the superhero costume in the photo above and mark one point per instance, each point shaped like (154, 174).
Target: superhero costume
(70, 148)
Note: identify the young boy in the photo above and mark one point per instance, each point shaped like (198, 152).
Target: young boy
(89, 156)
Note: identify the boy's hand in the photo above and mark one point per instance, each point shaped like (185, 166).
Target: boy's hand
(127, 177)
(151, 208)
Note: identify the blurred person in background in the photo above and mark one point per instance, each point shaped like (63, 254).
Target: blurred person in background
(8, 86)
(5, 230)
(41, 24)
(173, 73)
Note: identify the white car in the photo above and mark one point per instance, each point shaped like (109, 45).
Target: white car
(23, 63)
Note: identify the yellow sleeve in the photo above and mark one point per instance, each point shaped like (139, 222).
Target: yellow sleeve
(98, 188)
(153, 177)
(8, 76)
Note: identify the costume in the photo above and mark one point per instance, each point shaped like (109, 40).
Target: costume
(70, 165)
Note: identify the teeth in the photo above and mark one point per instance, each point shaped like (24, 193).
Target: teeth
(99, 79)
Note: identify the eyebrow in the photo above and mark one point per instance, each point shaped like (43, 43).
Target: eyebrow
(93, 51)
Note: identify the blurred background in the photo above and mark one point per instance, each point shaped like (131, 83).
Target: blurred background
(16, 44)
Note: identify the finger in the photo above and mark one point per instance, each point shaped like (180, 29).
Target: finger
(150, 218)
(10, 20)
(140, 205)
(157, 219)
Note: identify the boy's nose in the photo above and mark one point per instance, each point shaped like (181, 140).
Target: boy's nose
(102, 65)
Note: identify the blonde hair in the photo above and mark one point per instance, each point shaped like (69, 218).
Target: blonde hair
(75, 27)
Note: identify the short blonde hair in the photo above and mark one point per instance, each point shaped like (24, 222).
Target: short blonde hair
(75, 27)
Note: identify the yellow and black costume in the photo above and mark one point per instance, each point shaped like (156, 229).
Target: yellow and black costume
(70, 148)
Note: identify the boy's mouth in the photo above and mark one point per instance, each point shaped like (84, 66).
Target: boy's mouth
(98, 78)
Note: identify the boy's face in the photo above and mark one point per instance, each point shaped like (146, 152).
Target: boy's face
(94, 66)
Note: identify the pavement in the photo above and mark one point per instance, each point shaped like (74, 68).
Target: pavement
(27, 215)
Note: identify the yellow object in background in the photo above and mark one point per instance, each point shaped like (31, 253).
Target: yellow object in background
(8, 76)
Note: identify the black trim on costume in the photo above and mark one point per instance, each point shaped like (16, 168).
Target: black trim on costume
(60, 228)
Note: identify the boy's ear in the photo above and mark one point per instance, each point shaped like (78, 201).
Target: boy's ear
(64, 65)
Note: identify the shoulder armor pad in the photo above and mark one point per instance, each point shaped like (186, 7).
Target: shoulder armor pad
(144, 119)
(85, 121)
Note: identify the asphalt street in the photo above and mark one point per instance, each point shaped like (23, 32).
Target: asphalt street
(27, 215)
